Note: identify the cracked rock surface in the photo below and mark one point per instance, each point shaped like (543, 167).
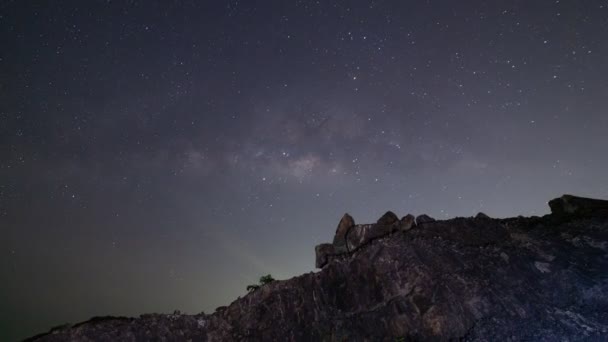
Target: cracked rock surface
(474, 279)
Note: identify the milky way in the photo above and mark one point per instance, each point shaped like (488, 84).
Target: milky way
(160, 156)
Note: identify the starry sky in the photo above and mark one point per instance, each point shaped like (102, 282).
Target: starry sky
(161, 155)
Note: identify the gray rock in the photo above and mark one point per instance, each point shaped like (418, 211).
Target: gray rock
(407, 222)
(388, 218)
(357, 236)
(421, 219)
(323, 252)
(346, 223)
(362, 234)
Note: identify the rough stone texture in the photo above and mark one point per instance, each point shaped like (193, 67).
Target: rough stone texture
(407, 222)
(572, 205)
(517, 279)
(388, 219)
(322, 254)
(421, 219)
(346, 223)
(358, 236)
(363, 234)
(350, 237)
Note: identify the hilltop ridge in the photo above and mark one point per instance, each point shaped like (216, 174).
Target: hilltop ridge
(416, 278)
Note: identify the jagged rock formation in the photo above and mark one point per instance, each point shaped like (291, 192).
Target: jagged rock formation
(350, 237)
(345, 225)
(474, 279)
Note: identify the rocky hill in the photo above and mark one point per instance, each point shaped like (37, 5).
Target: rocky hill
(473, 279)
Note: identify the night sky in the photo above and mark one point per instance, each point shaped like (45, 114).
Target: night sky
(161, 155)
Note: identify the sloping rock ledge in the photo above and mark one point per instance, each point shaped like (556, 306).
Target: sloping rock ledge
(471, 279)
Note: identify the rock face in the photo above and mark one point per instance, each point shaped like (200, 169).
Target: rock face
(349, 237)
(407, 222)
(472, 279)
(388, 219)
(569, 205)
(346, 223)
(323, 252)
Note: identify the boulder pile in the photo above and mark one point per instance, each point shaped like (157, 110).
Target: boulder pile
(350, 237)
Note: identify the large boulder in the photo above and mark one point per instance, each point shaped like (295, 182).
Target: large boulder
(358, 236)
(388, 219)
(362, 234)
(346, 223)
(407, 222)
(569, 205)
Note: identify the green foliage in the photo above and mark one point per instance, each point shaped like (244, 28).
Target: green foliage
(267, 279)
(251, 288)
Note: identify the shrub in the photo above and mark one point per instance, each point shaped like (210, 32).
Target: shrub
(267, 279)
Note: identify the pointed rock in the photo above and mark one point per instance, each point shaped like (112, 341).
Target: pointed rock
(346, 223)
(407, 222)
(481, 215)
(424, 218)
(388, 218)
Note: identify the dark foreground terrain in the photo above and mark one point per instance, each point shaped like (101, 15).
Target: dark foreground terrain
(473, 279)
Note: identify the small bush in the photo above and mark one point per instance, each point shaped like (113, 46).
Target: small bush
(267, 279)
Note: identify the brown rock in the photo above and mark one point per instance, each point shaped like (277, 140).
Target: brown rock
(407, 222)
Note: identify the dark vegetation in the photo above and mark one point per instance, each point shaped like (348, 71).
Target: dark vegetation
(267, 279)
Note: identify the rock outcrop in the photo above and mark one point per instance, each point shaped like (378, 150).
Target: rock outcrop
(569, 205)
(472, 279)
(350, 237)
(424, 218)
(388, 219)
(407, 222)
(346, 224)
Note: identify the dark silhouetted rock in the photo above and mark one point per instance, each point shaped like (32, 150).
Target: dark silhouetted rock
(358, 236)
(569, 205)
(346, 223)
(323, 252)
(421, 219)
(481, 215)
(467, 279)
(388, 218)
(407, 222)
